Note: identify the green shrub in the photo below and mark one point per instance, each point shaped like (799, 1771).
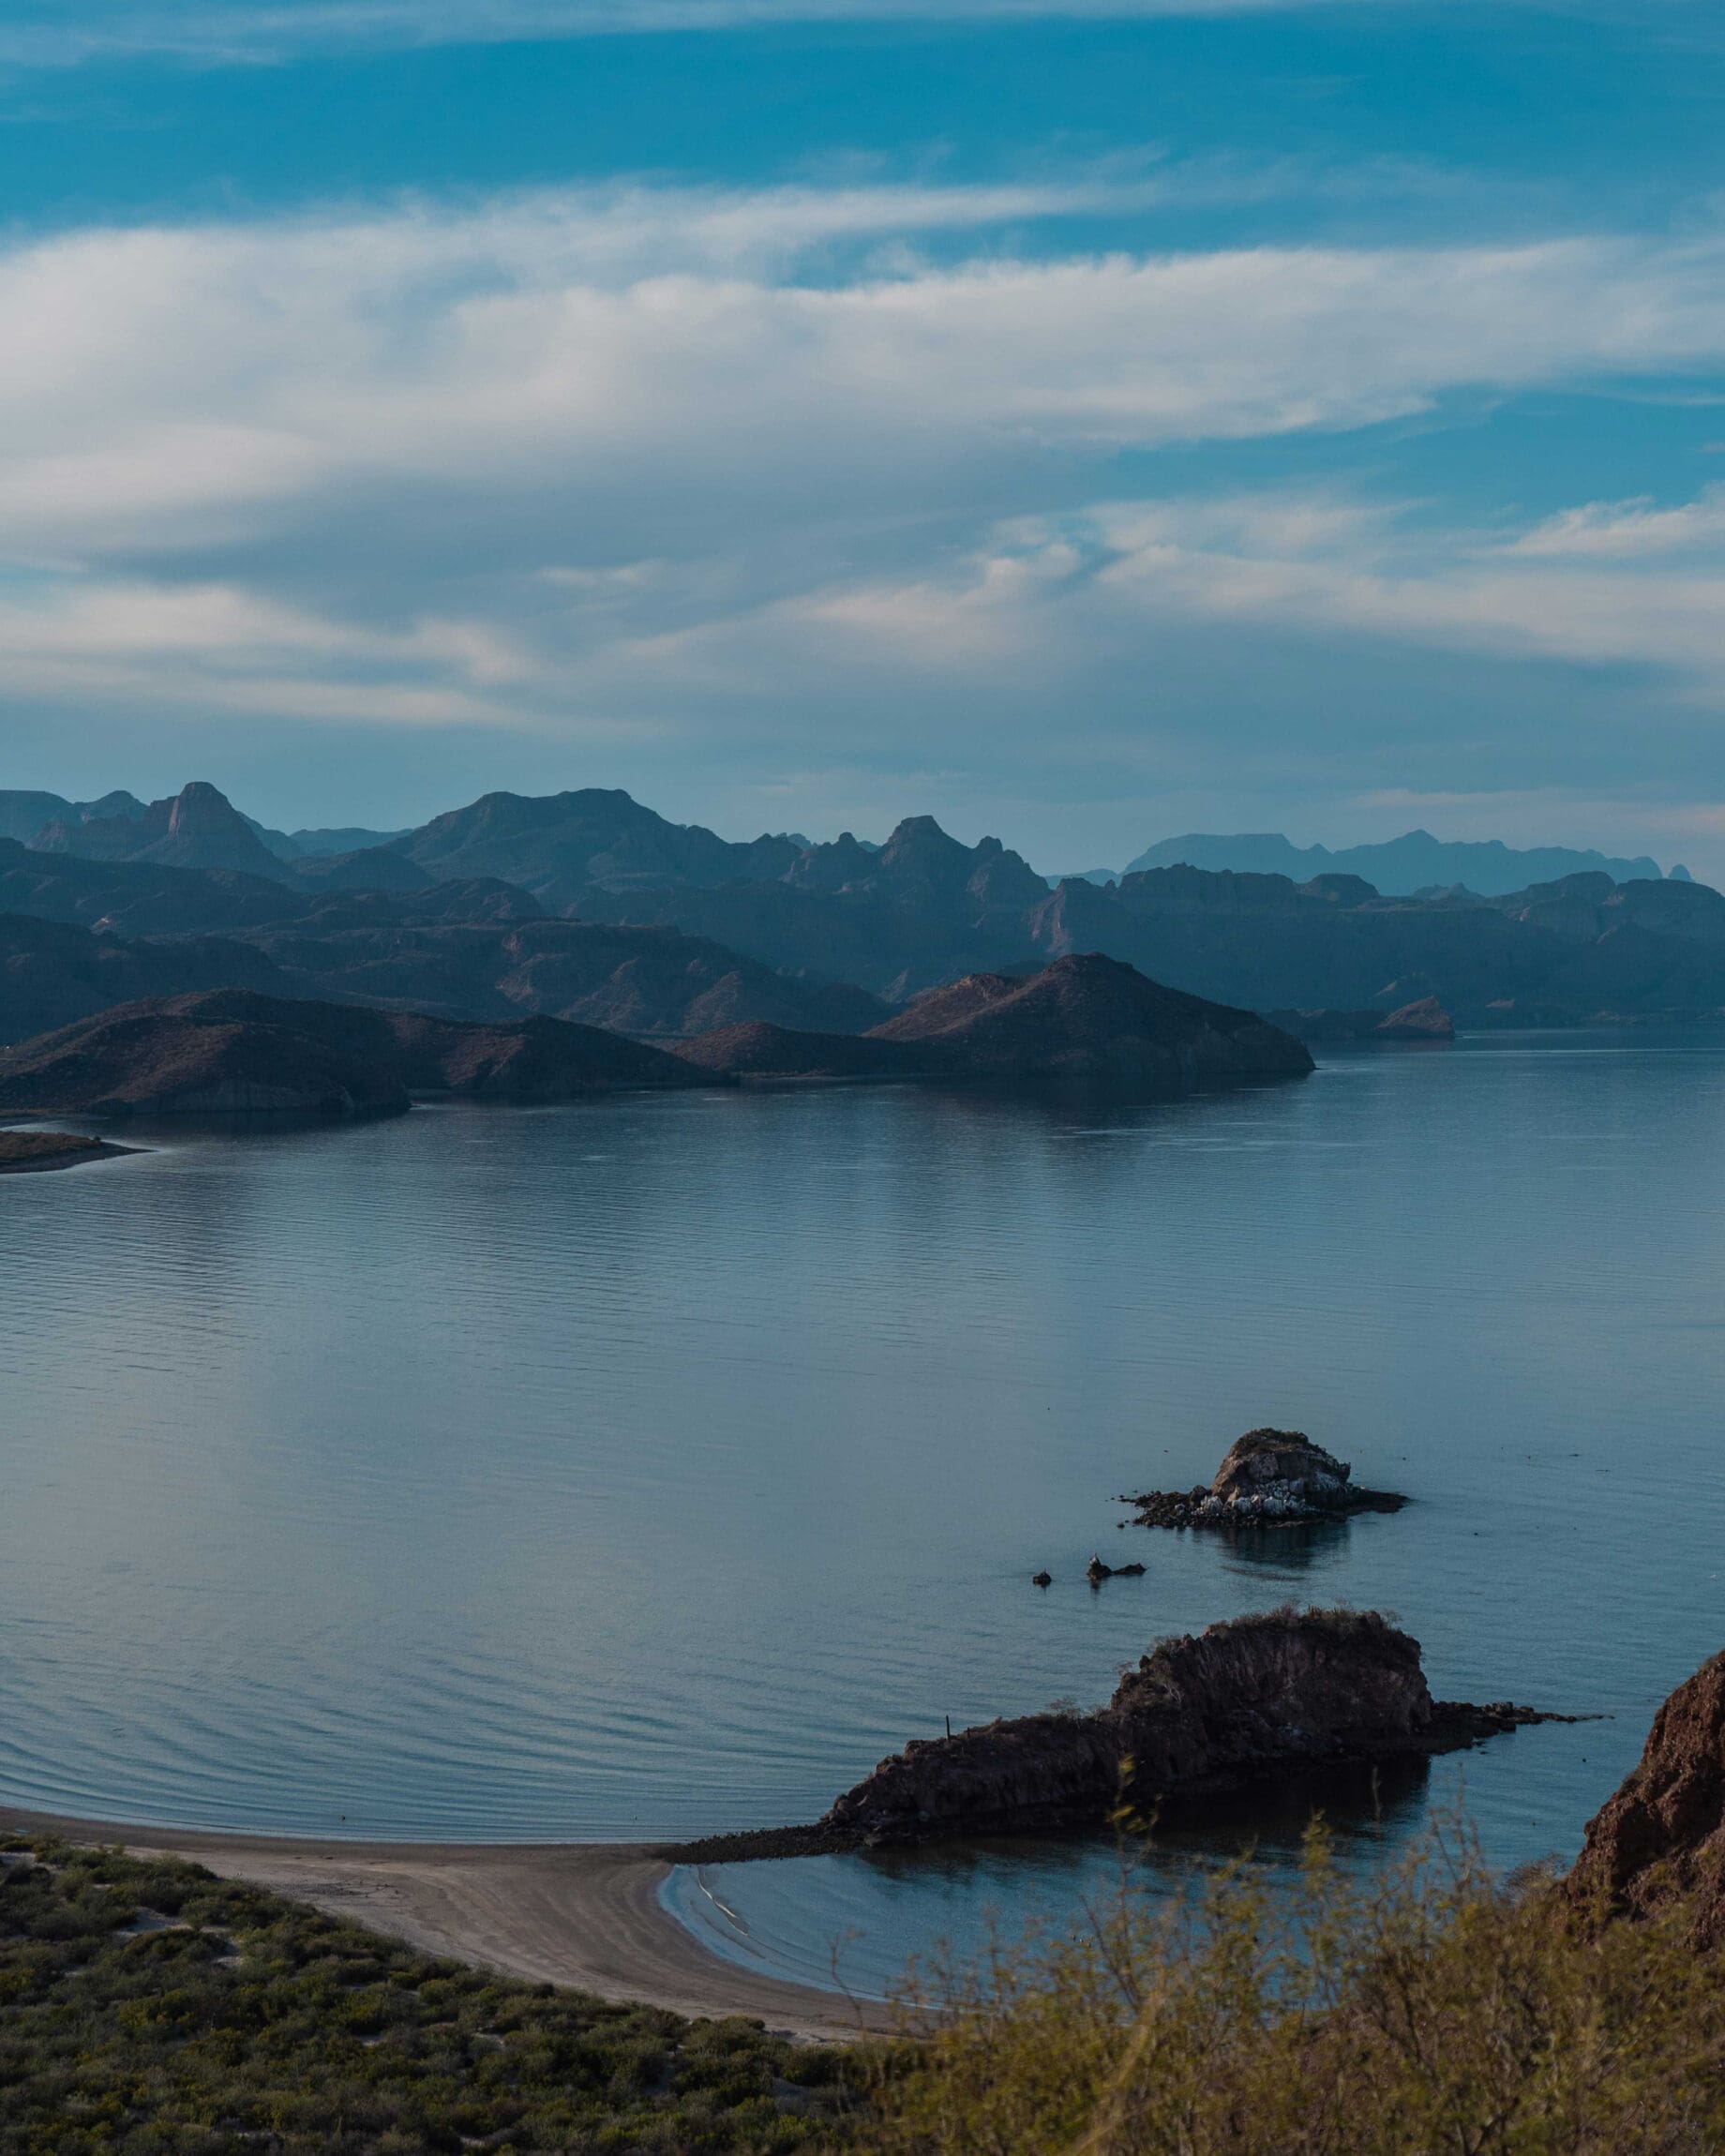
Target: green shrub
(253, 2024)
(1434, 2008)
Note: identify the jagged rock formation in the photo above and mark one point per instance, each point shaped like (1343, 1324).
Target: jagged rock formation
(1661, 1837)
(234, 1053)
(1250, 1698)
(1552, 954)
(1088, 1020)
(198, 828)
(1268, 1478)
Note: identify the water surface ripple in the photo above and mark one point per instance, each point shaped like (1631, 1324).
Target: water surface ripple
(655, 1466)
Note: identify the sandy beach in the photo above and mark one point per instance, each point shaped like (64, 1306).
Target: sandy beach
(586, 1915)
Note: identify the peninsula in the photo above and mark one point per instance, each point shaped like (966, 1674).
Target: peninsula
(1085, 1019)
(24, 1152)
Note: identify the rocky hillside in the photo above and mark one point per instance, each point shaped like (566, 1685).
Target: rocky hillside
(1091, 1017)
(197, 828)
(234, 1053)
(927, 911)
(1661, 1837)
(472, 950)
(1087, 1020)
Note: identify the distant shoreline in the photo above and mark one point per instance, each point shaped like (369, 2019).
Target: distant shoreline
(582, 1914)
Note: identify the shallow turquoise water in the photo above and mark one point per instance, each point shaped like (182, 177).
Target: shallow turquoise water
(656, 1466)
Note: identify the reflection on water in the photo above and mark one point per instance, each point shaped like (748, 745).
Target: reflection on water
(1290, 1550)
(654, 1466)
(859, 1923)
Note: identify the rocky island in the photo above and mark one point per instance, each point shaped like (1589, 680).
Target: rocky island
(1250, 1701)
(1270, 1479)
(1243, 1702)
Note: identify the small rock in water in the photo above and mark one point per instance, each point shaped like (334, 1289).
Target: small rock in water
(1269, 1478)
(1041, 1578)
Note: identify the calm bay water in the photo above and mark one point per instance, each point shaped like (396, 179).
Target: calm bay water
(654, 1466)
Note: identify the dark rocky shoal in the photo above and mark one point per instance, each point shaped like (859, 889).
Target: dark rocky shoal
(1250, 1702)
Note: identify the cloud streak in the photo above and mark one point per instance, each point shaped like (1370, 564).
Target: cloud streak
(266, 30)
(772, 472)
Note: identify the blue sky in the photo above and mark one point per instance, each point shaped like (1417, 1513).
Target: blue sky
(1081, 424)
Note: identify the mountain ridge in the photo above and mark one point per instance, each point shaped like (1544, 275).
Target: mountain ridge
(1397, 867)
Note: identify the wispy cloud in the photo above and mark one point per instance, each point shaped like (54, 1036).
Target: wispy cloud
(638, 464)
(1625, 530)
(265, 30)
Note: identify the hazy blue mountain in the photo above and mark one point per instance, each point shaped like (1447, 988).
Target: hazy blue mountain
(559, 846)
(302, 845)
(197, 828)
(23, 815)
(1413, 861)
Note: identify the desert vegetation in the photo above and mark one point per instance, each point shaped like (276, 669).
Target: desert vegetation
(1433, 2008)
(1430, 2007)
(152, 2007)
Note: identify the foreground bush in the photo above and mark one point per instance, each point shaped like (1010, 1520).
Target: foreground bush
(1430, 2010)
(152, 2007)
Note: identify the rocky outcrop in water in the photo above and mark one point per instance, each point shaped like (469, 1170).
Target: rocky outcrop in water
(1270, 1478)
(1662, 1835)
(1245, 1700)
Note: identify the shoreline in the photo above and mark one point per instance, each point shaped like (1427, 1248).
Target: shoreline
(585, 1915)
(72, 1154)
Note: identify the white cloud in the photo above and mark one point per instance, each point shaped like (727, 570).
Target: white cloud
(1626, 531)
(159, 386)
(628, 464)
(265, 30)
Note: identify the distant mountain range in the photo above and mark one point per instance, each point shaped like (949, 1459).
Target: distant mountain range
(1414, 861)
(590, 907)
(28, 817)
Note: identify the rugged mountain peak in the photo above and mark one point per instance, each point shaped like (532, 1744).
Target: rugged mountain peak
(918, 844)
(197, 828)
(563, 846)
